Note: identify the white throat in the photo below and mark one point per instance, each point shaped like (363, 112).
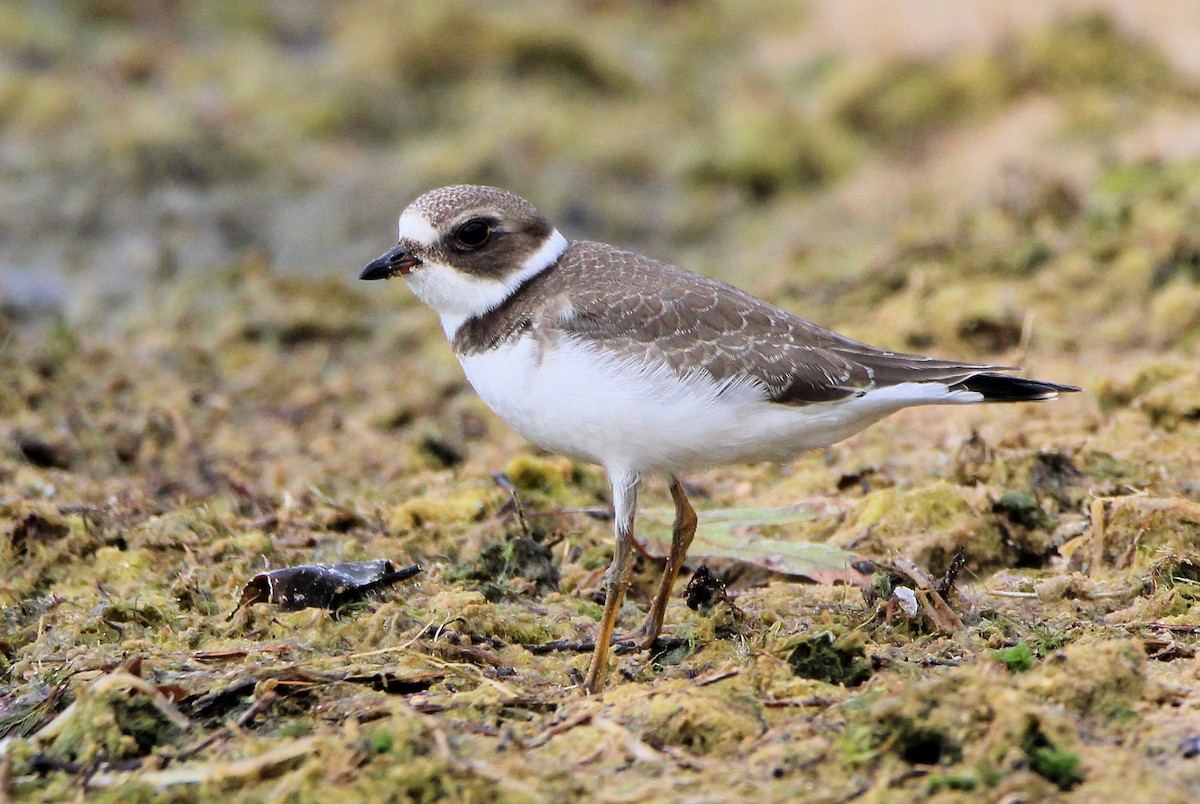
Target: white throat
(456, 296)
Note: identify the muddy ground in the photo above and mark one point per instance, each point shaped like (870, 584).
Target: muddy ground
(194, 391)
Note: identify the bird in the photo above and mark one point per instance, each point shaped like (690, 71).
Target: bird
(647, 369)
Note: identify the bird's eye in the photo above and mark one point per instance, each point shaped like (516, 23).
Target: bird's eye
(473, 234)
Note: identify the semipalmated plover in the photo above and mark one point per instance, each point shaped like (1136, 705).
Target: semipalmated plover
(607, 356)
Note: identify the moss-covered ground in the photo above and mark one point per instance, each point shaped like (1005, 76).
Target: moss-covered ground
(193, 390)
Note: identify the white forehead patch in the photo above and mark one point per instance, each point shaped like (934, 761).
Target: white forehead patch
(414, 227)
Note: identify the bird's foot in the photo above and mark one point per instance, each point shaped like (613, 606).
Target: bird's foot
(650, 631)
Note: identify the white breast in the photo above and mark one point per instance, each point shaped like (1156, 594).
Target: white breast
(571, 399)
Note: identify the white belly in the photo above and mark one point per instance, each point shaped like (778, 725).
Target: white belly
(571, 400)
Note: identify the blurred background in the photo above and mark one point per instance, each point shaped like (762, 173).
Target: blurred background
(925, 173)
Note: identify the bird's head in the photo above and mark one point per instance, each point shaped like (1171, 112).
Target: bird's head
(464, 249)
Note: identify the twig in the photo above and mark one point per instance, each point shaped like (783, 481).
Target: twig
(1131, 551)
(635, 746)
(256, 707)
(420, 632)
(603, 514)
(473, 673)
(1173, 628)
(620, 647)
(936, 608)
(212, 771)
(930, 661)
(714, 677)
(503, 482)
(235, 653)
(1167, 649)
(945, 584)
(786, 702)
(550, 732)
(1098, 536)
(471, 652)
(438, 634)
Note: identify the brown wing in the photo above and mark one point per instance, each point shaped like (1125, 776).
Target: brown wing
(648, 310)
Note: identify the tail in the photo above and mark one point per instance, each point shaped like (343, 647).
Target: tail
(1003, 388)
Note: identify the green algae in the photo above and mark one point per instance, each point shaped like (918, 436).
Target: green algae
(1017, 659)
(440, 510)
(546, 479)
(932, 522)
(834, 661)
(1053, 764)
(1115, 676)
(1022, 509)
(518, 557)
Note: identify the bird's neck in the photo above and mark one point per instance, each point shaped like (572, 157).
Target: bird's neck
(458, 297)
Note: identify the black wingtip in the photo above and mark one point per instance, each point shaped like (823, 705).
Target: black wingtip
(1003, 388)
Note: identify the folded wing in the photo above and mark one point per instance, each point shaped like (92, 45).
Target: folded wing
(690, 324)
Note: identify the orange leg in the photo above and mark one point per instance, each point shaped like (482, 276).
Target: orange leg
(681, 538)
(624, 507)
